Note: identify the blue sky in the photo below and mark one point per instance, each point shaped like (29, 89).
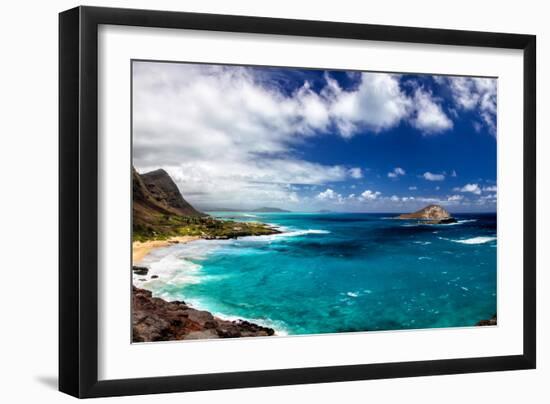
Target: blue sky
(304, 140)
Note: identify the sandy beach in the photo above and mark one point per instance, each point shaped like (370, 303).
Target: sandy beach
(162, 315)
(141, 248)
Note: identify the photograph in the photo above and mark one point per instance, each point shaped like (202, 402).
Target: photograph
(285, 201)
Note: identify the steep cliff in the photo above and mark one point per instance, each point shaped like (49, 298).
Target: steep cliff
(160, 212)
(166, 193)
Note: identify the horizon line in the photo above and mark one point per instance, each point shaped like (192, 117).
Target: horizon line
(229, 210)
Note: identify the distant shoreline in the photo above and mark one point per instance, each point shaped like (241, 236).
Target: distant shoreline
(316, 212)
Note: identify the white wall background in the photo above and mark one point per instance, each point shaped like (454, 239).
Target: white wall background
(28, 199)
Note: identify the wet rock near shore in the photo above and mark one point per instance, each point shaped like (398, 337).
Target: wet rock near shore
(154, 319)
(140, 270)
(491, 321)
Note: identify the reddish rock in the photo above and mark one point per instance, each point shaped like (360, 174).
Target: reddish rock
(154, 319)
(491, 321)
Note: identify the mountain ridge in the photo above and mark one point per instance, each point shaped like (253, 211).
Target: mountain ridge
(267, 209)
(166, 193)
(151, 209)
(160, 212)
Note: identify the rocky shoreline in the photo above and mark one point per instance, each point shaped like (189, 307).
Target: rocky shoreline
(491, 321)
(155, 319)
(161, 217)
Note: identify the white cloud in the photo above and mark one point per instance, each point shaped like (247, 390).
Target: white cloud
(479, 94)
(472, 188)
(429, 116)
(413, 188)
(396, 172)
(228, 135)
(369, 195)
(455, 198)
(329, 195)
(429, 200)
(419, 201)
(487, 199)
(293, 197)
(492, 188)
(356, 173)
(433, 177)
(377, 104)
(394, 198)
(453, 173)
(242, 153)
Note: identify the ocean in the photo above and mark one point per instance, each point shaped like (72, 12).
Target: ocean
(337, 272)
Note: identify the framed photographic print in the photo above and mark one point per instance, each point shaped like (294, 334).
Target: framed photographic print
(251, 201)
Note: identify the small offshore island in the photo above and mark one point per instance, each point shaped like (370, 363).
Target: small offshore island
(161, 217)
(431, 214)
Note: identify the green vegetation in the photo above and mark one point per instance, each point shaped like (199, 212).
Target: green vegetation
(160, 212)
(166, 226)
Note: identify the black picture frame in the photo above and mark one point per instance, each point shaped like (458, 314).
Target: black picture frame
(78, 201)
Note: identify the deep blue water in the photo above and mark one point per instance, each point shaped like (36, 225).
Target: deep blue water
(338, 272)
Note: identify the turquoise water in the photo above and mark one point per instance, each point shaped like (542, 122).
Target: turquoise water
(338, 272)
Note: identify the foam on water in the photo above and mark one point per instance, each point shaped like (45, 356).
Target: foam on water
(279, 326)
(459, 222)
(176, 267)
(475, 240)
(171, 269)
(286, 233)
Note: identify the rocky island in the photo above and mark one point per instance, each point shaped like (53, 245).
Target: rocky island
(161, 217)
(431, 214)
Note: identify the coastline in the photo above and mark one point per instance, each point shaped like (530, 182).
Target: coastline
(141, 248)
(212, 324)
(156, 319)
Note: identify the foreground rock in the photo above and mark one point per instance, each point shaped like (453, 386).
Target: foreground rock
(491, 321)
(431, 214)
(140, 270)
(154, 319)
